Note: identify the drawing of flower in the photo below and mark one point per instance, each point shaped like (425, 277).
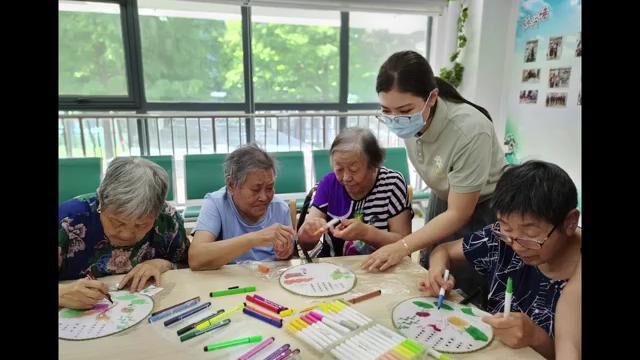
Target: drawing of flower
(76, 234)
(145, 253)
(119, 262)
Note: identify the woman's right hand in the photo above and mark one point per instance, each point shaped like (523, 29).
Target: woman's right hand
(82, 294)
(310, 232)
(435, 280)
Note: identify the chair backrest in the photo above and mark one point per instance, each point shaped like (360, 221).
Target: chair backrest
(290, 173)
(77, 176)
(321, 164)
(166, 162)
(396, 158)
(203, 173)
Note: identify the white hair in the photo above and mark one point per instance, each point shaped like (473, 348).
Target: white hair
(133, 187)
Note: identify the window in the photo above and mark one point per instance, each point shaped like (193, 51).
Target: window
(191, 52)
(90, 50)
(296, 55)
(99, 136)
(373, 37)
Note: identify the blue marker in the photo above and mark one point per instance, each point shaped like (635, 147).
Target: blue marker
(276, 323)
(173, 309)
(186, 314)
(441, 294)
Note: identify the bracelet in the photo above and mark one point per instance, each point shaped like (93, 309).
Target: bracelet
(407, 247)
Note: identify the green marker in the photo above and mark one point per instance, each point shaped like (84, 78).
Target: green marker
(232, 291)
(234, 342)
(507, 297)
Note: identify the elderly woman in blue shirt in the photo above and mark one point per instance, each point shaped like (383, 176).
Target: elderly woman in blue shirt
(242, 221)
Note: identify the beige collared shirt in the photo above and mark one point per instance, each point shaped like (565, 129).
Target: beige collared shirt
(459, 152)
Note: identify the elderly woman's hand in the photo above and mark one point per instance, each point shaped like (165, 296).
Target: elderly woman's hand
(81, 294)
(279, 236)
(143, 272)
(385, 257)
(351, 229)
(310, 231)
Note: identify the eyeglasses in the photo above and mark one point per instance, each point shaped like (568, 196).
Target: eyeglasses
(533, 244)
(397, 119)
(401, 119)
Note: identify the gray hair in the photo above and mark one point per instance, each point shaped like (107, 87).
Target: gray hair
(134, 187)
(359, 140)
(245, 159)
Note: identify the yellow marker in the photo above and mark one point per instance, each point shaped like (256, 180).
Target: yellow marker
(220, 317)
(285, 313)
(338, 305)
(334, 308)
(404, 353)
(292, 328)
(293, 325)
(301, 324)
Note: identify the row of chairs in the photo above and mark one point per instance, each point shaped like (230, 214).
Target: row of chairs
(204, 173)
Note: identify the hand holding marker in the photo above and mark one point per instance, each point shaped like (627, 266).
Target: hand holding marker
(329, 225)
(441, 294)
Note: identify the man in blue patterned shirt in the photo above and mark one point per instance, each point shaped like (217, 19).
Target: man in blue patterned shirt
(536, 242)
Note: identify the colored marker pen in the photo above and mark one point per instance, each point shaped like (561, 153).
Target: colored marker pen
(507, 297)
(441, 294)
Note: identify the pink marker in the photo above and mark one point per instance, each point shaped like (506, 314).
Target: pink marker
(326, 320)
(280, 307)
(249, 354)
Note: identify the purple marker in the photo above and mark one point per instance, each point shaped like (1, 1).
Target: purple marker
(280, 307)
(276, 354)
(284, 355)
(292, 354)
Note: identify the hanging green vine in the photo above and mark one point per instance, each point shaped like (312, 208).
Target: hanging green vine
(454, 74)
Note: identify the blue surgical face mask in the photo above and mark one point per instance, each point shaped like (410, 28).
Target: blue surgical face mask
(405, 126)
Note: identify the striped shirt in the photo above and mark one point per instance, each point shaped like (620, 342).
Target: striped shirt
(387, 198)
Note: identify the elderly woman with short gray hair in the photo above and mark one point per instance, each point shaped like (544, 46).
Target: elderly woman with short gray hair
(242, 221)
(126, 227)
(369, 200)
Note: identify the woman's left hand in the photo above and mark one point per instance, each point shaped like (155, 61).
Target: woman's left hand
(351, 229)
(143, 272)
(385, 257)
(283, 249)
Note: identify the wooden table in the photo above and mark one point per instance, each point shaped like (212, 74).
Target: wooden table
(153, 341)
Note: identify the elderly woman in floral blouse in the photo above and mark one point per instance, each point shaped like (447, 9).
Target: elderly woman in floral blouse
(127, 227)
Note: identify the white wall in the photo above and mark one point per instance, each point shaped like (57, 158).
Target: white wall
(490, 31)
(487, 58)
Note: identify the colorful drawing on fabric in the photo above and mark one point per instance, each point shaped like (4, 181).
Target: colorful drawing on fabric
(318, 279)
(454, 328)
(104, 318)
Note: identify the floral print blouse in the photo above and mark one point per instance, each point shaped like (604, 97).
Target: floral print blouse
(82, 244)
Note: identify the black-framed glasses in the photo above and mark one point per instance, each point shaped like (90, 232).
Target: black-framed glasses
(533, 244)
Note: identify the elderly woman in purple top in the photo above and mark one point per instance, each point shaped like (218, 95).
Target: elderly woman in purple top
(370, 200)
